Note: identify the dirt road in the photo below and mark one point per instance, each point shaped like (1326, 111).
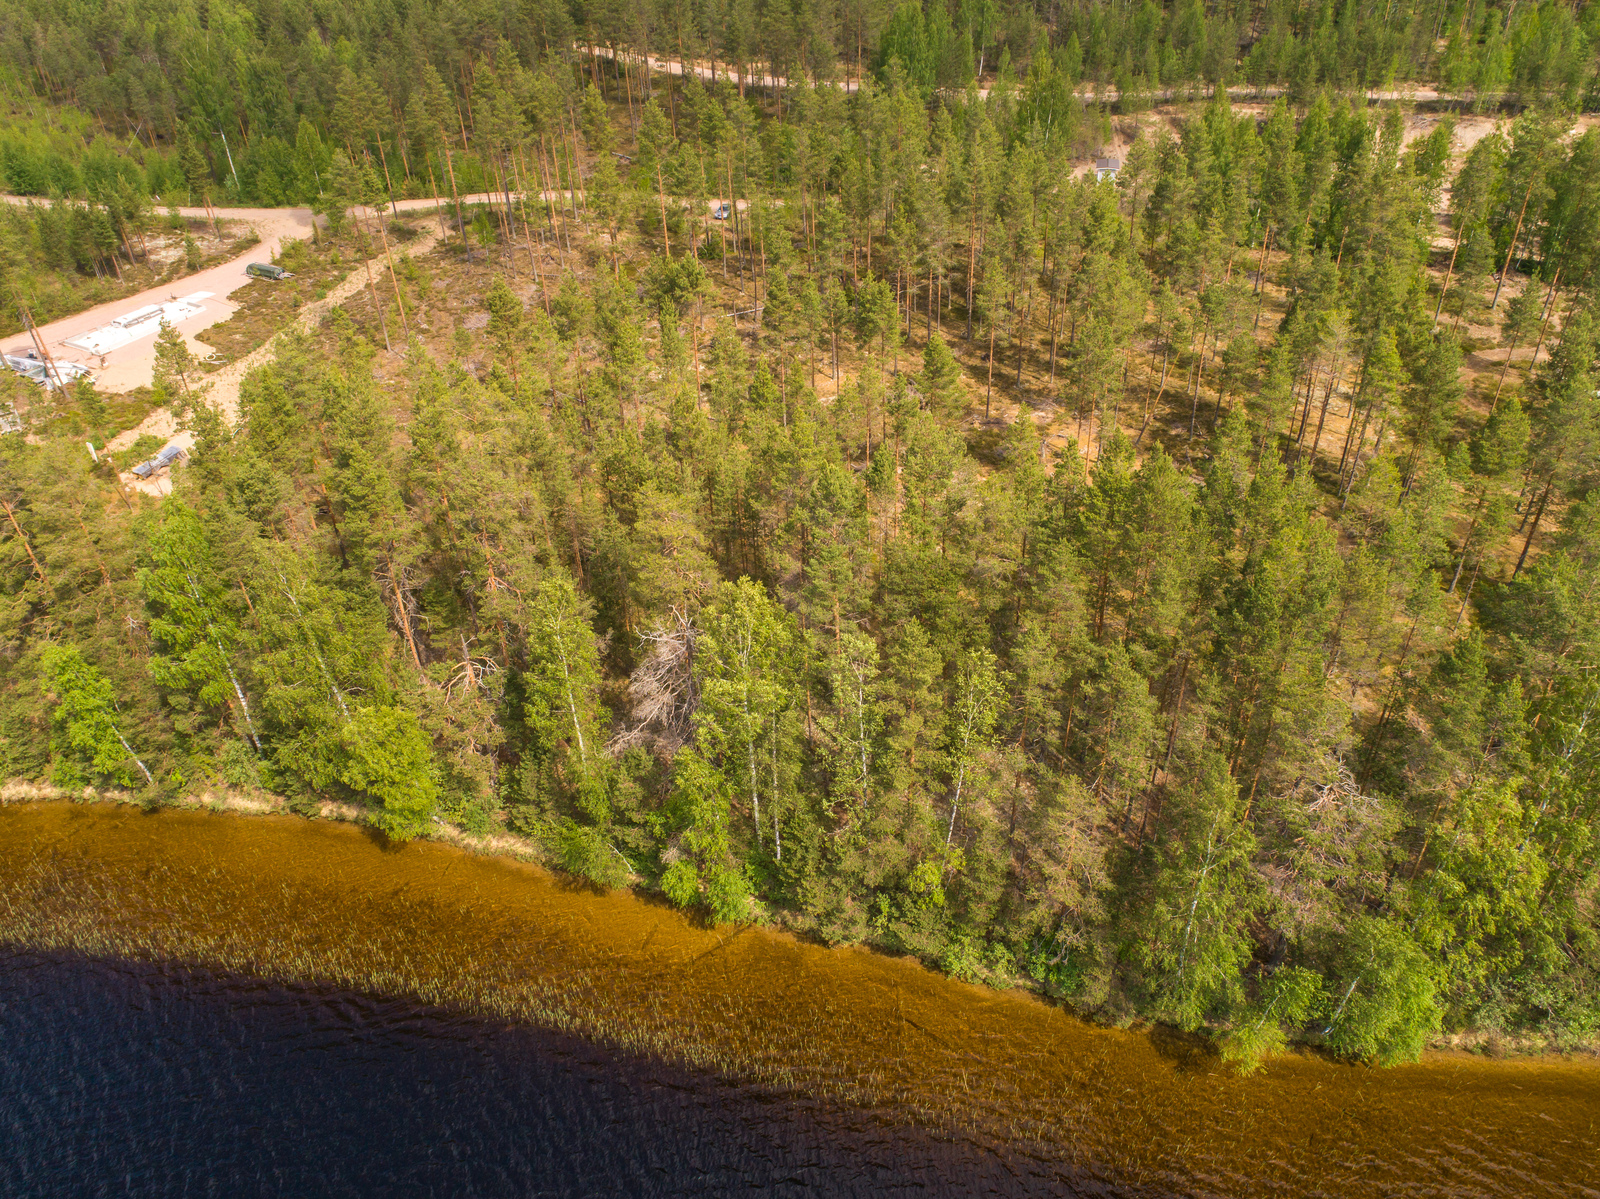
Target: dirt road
(130, 366)
(710, 72)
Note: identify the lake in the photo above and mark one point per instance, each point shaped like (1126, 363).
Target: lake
(198, 1003)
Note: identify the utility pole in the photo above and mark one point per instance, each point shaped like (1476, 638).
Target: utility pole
(38, 343)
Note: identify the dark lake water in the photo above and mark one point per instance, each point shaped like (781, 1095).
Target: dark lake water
(447, 1024)
(138, 1079)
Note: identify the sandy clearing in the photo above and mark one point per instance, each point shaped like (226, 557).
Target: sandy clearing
(221, 390)
(130, 366)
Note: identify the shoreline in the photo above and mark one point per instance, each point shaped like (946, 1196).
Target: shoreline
(326, 902)
(1470, 1044)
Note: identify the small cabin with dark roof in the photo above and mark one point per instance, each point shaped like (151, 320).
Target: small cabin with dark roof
(1106, 168)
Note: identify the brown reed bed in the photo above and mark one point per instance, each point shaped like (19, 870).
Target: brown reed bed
(310, 902)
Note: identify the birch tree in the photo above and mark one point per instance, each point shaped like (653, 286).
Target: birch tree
(975, 708)
(190, 618)
(744, 726)
(87, 729)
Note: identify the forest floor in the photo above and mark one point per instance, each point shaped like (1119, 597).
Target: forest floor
(237, 330)
(450, 316)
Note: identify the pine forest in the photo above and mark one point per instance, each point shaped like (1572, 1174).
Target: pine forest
(1099, 497)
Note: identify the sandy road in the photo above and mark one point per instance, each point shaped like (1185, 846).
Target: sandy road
(221, 390)
(131, 365)
(710, 72)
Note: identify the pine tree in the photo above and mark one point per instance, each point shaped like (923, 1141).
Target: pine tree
(940, 381)
(656, 145)
(196, 174)
(174, 364)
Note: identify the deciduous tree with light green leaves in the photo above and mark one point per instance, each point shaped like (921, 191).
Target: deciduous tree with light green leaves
(87, 731)
(745, 662)
(385, 756)
(701, 866)
(855, 726)
(1192, 936)
(189, 616)
(974, 709)
(1383, 993)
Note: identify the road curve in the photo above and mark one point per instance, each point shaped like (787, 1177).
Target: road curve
(130, 366)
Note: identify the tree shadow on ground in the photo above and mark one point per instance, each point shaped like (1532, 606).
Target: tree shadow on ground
(1190, 1052)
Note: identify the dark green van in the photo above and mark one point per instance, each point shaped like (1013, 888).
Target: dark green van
(264, 270)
